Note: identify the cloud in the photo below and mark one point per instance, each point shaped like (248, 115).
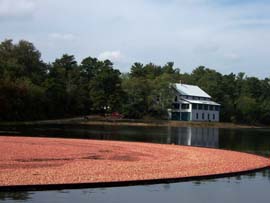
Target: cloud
(16, 8)
(206, 48)
(111, 55)
(232, 56)
(226, 35)
(62, 36)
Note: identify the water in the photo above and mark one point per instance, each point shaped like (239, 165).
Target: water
(253, 187)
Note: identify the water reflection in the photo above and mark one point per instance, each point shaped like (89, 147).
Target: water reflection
(206, 137)
(245, 188)
(15, 195)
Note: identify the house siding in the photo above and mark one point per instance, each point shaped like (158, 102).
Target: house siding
(214, 118)
(194, 114)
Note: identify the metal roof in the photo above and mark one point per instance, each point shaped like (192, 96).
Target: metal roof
(202, 102)
(191, 90)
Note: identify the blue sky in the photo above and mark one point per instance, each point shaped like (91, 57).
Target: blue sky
(227, 35)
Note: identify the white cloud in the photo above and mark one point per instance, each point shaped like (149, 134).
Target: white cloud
(225, 35)
(206, 48)
(111, 55)
(232, 56)
(62, 36)
(16, 8)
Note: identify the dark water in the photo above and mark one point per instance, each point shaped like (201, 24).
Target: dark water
(253, 187)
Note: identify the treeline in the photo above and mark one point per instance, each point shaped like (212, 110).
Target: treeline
(31, 89)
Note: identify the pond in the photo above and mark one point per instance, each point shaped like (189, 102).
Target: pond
(243, 188)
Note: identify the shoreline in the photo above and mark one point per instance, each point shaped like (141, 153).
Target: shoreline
(167, 124)
(129, 122)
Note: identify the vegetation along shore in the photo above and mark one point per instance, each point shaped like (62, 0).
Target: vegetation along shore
(31, 89)
(99, 120)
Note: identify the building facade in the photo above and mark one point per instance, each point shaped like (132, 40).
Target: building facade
(191, 103)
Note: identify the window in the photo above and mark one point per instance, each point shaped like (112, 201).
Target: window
(214, 117)
(185, 106)
(205, 106)
(203, 116)
(211, 107)
(175, 106)
(200, 106)
(208, 117)
(194, 106)
(175, 98)
(217, 108)
(197, 116)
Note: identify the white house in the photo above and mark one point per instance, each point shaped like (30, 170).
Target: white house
(191, 103)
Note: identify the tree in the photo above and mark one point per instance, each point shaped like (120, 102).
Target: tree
(136, 100)
(248, 110)
(90, 67)
(63, 88)
(22, 60)
(169, 69)
(148, 90)
(106, 89)
(22, 74)
(31, 89)
(137, 70)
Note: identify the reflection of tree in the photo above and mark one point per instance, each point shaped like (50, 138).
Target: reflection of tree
(166, 186)
(254, 141)
(200, 182)
(15, 196)
(252, 175)
(266, 173)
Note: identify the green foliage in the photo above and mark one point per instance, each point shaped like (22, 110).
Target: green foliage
(21, 60)
(31, 89)
(243, 99)
(136, 103)
(105, 89)
(148, 90)
(247, 109)
(21, 100)
(265, 112)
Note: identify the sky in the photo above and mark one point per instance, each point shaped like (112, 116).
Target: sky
(225, 35)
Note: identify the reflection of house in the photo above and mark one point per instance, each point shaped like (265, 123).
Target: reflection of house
(205, 137)
(191, 103)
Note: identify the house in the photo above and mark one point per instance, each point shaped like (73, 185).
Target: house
(191, 103)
